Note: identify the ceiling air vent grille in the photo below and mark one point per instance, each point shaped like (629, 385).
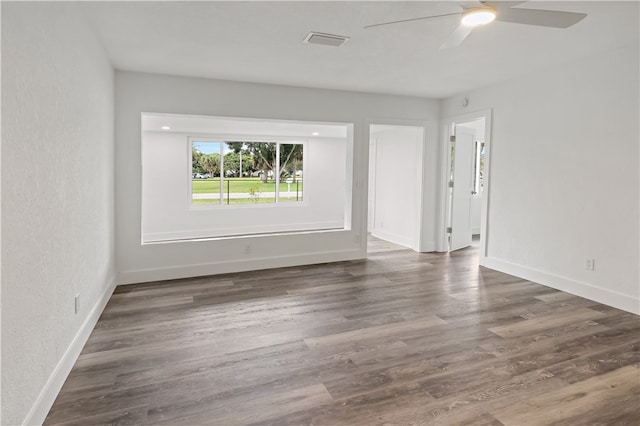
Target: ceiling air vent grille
(325, 39)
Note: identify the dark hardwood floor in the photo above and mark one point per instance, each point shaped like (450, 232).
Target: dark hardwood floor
(400, 339)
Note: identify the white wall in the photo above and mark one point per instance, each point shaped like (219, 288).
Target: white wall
(137, 93)
(396, 184)
(168, 214)
(371, 194)
(564, 176)
(57, 210)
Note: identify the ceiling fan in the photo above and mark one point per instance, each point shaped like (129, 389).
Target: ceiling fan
(477, 13)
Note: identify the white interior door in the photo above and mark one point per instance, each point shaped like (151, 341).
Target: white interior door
(462, 189)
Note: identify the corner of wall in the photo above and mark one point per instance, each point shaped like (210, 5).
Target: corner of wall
(582, 289)
(63, 89)
(47, 396)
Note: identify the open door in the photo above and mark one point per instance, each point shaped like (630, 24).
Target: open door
(462, 164)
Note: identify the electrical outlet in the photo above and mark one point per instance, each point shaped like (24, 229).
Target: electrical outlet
(247, 249)
(77, 304)
(590, 264)
(357, 239)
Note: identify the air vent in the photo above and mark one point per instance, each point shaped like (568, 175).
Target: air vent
(326, 39)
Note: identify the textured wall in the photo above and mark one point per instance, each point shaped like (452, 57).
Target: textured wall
(57, 187)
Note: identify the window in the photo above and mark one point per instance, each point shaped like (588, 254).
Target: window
(290, 172)
(478, 167)
(246, 172)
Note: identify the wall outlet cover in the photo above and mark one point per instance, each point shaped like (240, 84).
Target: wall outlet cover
(590, 264)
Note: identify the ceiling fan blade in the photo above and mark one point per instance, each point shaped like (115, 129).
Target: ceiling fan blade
(541, 18)
(499, 5)
(457, 37)
(412, 19)
(470, 4)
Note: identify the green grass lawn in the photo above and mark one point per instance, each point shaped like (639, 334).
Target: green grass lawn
(242, 186)
(238, 185)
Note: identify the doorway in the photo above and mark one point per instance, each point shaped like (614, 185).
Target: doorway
(395, 187)
(466, 182)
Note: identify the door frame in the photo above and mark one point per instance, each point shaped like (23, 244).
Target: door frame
(445, 171)
(419, 242)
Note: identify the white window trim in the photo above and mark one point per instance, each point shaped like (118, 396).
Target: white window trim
(222, 139)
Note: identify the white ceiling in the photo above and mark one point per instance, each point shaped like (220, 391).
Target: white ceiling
(196, 124)
(263, 42)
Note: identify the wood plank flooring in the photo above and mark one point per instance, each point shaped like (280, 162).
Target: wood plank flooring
(399, 339)
(377, 245)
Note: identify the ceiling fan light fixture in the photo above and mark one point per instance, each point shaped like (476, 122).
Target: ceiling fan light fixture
(478, 16)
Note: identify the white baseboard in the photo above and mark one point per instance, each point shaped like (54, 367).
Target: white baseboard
(226, 267)
(47, 397)
(588, 291)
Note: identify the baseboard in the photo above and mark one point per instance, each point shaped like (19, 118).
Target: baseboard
(47, 397)
(226, 267)
(588, 291)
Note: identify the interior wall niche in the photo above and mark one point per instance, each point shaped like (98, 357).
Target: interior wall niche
(292, 176)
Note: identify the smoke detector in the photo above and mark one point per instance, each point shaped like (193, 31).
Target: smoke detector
(326, 39)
